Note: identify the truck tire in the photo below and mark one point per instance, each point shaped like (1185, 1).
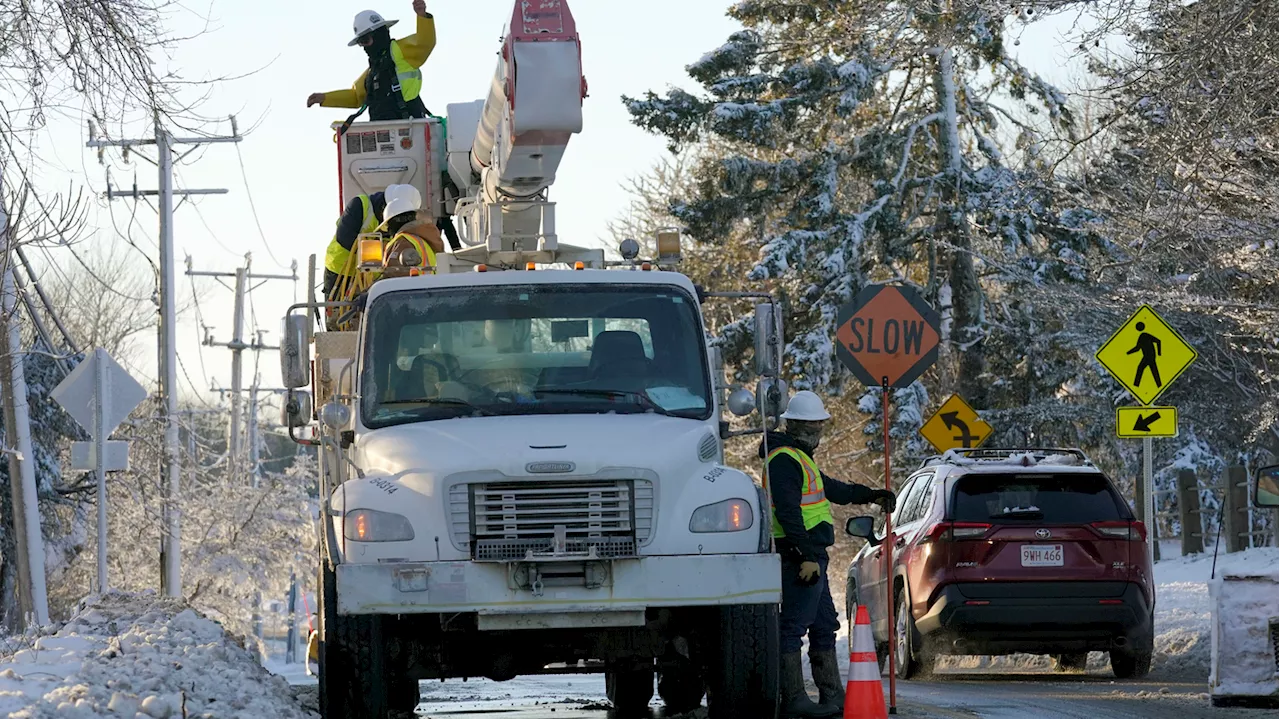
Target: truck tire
(681, 688)
(353, 678)
(629, 690)
(742, 668)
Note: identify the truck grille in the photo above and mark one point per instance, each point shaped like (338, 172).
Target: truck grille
(510, 519)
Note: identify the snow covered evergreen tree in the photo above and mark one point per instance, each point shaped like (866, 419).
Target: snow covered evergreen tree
(873, 141)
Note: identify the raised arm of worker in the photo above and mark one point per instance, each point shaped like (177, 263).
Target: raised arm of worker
(416, 49)
(848, 493)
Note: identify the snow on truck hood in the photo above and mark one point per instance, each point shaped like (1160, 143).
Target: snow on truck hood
(509, 444)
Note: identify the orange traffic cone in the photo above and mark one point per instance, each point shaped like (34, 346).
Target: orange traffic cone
(863, 696)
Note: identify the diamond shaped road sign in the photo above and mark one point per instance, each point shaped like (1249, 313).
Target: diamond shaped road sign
(955, 426)
(887, 334)
(1146, 355)
(78, 393)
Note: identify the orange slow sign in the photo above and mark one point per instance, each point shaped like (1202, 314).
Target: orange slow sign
(888, 334)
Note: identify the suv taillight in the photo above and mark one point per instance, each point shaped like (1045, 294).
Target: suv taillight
(1132, 529)
(950, 531)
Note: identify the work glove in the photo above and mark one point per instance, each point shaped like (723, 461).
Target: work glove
(809, 572)
(887, 500)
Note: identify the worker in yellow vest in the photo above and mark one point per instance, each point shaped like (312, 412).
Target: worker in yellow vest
(414, 242)
(803, 528)
(362, 216)
(390, 88)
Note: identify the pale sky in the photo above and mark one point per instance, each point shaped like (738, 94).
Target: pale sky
(290, 158)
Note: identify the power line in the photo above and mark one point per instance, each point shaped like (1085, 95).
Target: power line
(244, 175)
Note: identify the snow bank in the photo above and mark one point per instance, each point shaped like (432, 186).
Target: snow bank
(1243, 662)
(137, 656)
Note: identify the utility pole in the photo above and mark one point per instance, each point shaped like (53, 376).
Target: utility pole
(254, 472)
(243, 277)
(165, 144)
(32, 596)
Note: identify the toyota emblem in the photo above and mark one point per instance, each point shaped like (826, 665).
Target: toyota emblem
(1042, 534)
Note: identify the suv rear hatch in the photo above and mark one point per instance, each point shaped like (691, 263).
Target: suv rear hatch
(1040, 535)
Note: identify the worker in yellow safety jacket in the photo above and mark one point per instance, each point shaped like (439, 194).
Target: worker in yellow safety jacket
(414, 242)
(803, 528)
(391, 85)
(362, 215)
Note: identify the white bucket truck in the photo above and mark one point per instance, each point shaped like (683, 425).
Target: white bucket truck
(521, 453)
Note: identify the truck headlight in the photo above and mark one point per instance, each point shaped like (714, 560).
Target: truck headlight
(731, 515)
(370, 525)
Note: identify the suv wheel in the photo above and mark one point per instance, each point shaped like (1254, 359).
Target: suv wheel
(742, 666)
(1134, 663)
(910, 660)
(1073, 662)
(629, 690)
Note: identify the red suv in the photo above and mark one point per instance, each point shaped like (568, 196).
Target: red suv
(1004, 551)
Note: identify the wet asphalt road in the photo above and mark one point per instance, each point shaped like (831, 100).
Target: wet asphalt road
(955, 694)
(951, 695)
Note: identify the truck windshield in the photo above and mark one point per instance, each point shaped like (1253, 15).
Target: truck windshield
(531, 349)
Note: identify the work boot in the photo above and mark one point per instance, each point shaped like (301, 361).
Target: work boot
(826, 674)
(796, 703)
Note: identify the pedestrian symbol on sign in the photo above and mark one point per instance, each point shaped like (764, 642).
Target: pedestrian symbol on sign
(1149, 346)
(1146, 355)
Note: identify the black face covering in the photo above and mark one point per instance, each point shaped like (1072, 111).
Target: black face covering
(806, 434)
(381, 43)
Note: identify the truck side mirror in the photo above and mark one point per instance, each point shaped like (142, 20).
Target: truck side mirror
(774, 396)
(295, 351)
(742, 402)
(863, 527)
(768, 340)
(1265, 492)
(297, 409)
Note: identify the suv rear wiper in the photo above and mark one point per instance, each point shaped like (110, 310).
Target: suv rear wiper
(643, 399)
(1019, 514)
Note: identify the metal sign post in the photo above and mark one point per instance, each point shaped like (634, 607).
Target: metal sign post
(887, 337)
(102, 397)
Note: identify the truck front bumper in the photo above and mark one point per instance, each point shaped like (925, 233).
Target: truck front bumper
(498, 588)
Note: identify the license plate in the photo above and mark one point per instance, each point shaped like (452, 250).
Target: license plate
(1042, 555)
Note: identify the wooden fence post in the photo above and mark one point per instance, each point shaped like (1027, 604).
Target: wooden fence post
(1189, 512)
(1235, 518)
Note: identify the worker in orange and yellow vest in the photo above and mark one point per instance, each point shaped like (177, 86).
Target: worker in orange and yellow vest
(391, 86)
(803, 528)
(414, 240)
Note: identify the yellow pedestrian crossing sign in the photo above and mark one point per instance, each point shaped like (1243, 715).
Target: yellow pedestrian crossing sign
(1140, 422)
(1146, 355)
(955, 426)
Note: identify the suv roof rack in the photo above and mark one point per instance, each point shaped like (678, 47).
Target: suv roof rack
(996, 454)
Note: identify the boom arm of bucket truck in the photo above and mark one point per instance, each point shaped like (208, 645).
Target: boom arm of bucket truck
(503, 151)
(490, 165)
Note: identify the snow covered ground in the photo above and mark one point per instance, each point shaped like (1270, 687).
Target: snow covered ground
(137, 656)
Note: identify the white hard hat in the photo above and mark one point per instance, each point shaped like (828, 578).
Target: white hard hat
(401, 199)
(806, 406)
(366, 22)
